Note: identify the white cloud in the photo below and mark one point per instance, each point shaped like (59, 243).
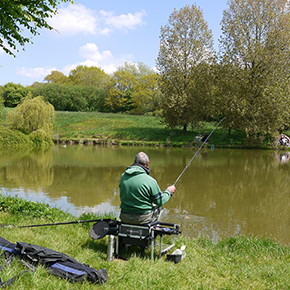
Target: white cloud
(76, 18)
(105, 60)
(92, 57)
(35, 73)
(129, 21)
(91, 51)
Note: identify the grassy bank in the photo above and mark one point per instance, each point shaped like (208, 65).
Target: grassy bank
(233, 263)
(122, 129)
(105, 128)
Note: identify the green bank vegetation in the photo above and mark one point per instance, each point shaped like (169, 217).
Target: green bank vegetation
(124, 129)
(109, 128)
(233, 263)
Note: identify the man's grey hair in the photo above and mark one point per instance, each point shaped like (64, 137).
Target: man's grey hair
(141, 158)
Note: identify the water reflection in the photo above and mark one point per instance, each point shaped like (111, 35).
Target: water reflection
(283, 157)
(222, 193)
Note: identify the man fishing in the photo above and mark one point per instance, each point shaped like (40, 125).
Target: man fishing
(141, 197)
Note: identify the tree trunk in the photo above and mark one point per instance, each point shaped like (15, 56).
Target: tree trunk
(185, 128)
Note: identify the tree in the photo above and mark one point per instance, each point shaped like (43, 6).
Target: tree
(20, 16)
(145, 93)
(33, 116)
(56, 77)
(133, 88)
(186, 44)
(255, 47)
(14, 94)
(89, 76)
(119, 94)
(72, 97)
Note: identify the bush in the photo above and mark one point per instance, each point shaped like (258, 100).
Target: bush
(40, 138)
(13, 94)
(32, 115)
(72, 97)
(13, 138)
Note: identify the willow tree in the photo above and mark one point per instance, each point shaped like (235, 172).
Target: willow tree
(255, 49)
(33, 116)
(186, 48)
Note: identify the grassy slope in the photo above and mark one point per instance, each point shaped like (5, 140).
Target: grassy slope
(234, 263)
(126, 128)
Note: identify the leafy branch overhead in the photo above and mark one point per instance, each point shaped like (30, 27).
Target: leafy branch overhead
(22, 16)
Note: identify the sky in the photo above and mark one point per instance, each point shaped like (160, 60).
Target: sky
(98, 33)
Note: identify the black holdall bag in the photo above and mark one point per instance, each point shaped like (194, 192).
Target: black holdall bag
(60, 264)
(8, 252)
(56, 263)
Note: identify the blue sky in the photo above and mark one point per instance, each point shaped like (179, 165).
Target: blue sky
(100, 33)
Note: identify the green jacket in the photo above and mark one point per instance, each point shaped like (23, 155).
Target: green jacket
(138, 191)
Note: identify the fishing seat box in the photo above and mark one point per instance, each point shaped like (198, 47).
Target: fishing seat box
(145, 235)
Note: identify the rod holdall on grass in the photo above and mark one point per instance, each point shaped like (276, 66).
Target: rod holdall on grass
(8, 251)
(61, 265)
(55, 262)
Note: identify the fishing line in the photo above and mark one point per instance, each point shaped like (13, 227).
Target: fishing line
(197, 151)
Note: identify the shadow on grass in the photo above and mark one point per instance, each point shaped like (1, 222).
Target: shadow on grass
(154, 134)
(101, 247)
(97, 245)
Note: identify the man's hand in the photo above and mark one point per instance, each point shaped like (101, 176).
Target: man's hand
(171, 188)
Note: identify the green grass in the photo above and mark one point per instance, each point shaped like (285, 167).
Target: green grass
(128, 129)
(233, 263)
(123, 129)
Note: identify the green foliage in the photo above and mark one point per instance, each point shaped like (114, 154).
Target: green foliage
(186, 49)
(56, 77)
(32, 115)
(88, 76)
(121, 88)
(13, 138)
(72, 97)
(254, 75)
(134, 89)
(13, 94)
(21, 15)
(40, 138)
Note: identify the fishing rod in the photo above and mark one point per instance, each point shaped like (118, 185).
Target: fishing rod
(56, 224)
(197, 152)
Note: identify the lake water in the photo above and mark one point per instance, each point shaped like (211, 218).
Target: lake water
(222, 193)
